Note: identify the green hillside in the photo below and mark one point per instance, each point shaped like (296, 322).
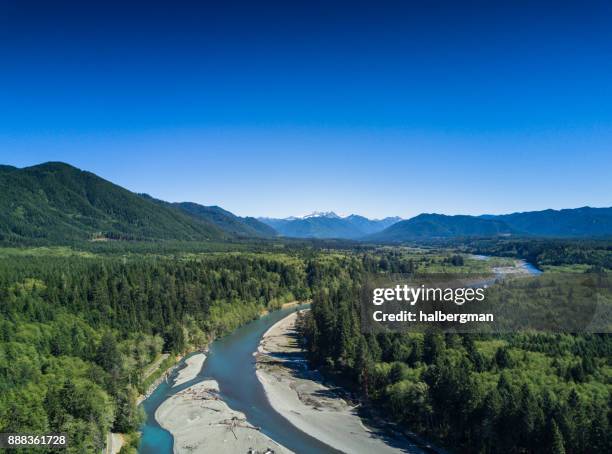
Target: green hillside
(229, 222)
(426, 226)
(577, 222)
(55, 202)
(583, 222)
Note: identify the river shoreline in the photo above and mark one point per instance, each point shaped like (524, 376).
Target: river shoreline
(151, 389)
(230, 366)
(201, 422)
(193, 366)
(519, 268)
(177, 364)
(301, 397)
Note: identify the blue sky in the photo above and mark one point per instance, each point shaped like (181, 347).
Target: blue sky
(281, 108)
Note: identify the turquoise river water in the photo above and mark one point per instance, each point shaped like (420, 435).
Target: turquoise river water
(231, 363)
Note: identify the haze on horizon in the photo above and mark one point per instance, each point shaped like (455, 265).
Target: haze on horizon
(384, 109)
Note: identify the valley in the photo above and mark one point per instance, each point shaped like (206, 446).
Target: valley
(89, 326)
(305, 227)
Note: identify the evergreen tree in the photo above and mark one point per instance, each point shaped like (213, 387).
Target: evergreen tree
(557, 445)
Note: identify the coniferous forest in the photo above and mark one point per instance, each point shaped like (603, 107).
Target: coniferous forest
(77, 332)
(510, 393)
(80, 327)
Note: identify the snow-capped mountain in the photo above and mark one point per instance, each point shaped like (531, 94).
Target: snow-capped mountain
(322, 214)
(328, 224)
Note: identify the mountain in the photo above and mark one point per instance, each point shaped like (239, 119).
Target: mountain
(228, 222)
(328, 225)
(577, 222)
(427, 226)
(370, 226)
(55, 202)
(320, 214)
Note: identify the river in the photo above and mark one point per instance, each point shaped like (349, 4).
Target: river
(231, 363)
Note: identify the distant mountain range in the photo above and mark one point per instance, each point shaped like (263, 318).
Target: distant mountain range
(328, 225)
(57, 203)
(427, 226)
(569, 223)
(577, 222)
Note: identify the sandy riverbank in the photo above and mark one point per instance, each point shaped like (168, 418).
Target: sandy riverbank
(283, 306)
(202, 423)
(114, 443)
(292, 304)
(308, 404)
(193, 366)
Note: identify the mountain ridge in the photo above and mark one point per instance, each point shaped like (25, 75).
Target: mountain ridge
(433, 225)
(58, 203)
(583, 222)
(328, 225)
(229, 222)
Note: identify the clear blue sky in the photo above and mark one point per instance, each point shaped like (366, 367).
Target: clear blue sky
(281, 108)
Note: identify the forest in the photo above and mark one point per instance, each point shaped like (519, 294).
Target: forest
(524, 392)
(77, 331)
(549, 252)
(79, 327)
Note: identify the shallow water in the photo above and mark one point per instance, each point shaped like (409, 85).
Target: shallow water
(531, 268)
(231, 363)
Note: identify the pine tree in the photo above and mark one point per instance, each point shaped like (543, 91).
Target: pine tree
(557, 445)
(433, 346)
(108, 355)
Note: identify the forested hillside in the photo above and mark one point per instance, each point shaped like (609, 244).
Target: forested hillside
(228, 222)
(426, 226)
(77, 332)
(578, 222)
(57, 203)
(583, 222)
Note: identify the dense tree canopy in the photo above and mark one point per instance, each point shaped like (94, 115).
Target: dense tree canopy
(76, 333)
(78, 330)
(522, 393)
